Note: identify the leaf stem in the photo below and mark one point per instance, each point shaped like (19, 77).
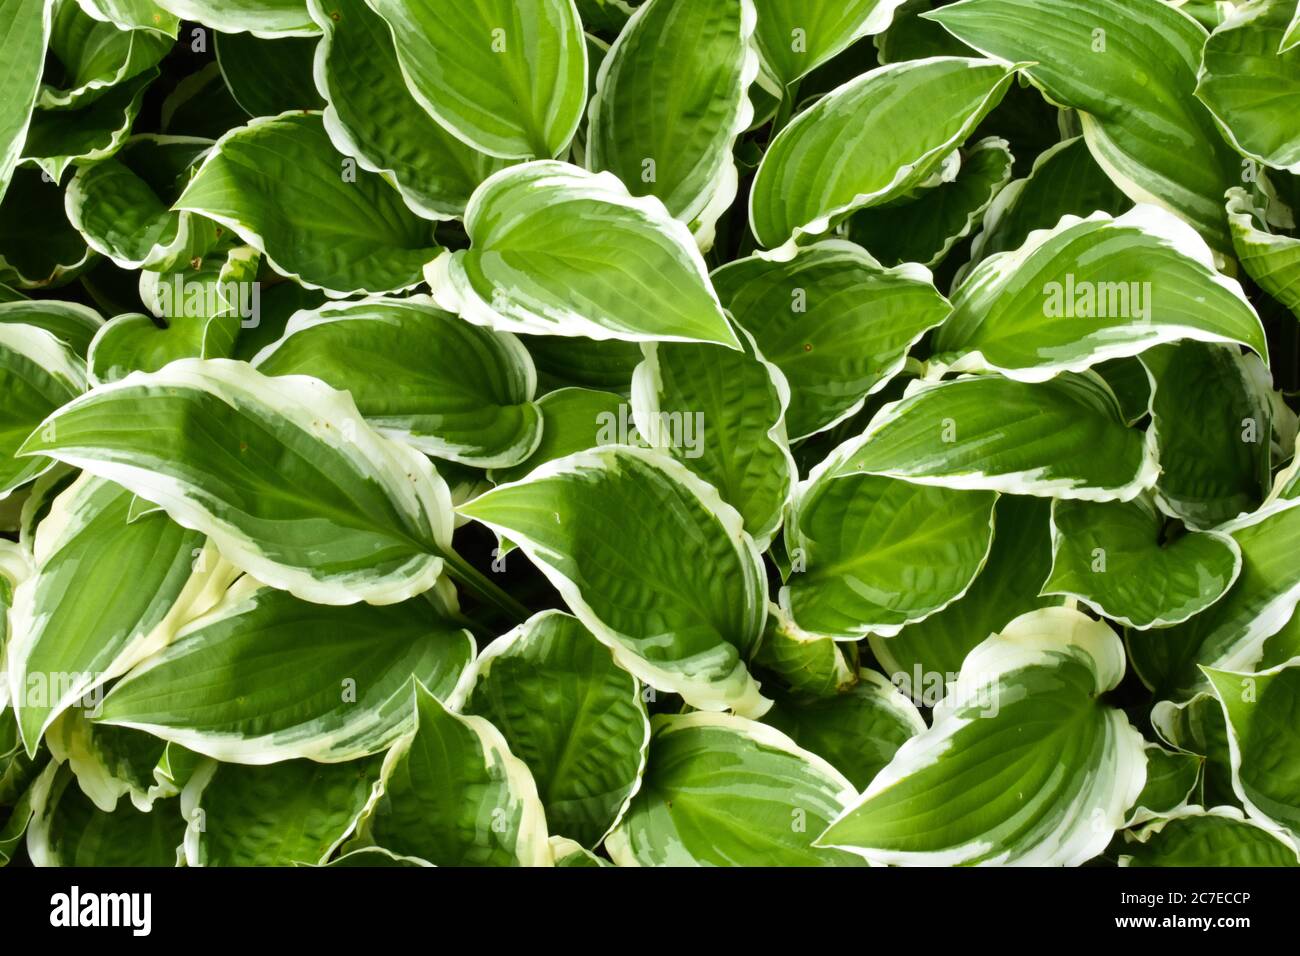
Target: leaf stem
(478, 584)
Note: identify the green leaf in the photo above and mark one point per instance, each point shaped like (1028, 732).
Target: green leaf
(452, 794)
(109, 762)
(38, 373)
(1065, 181)
(105, 594)
(634, 581)
(559, 251)
(721, 413)
(269, 77)
(1237, 632)
(1063, 438)
(419, 375)
(372, 115)
(572, 715)
(925, 229)
(1210, 414)
(666, 125)
(60, 138)
(834, 321)
(38, 247)
(241, 684)
(1093, 289)
(279, 183)
(925, 657)
(281, 473)
(1023, 763)
(720, 790)
(1263, 740)
(22, 54)
(1198, 837)
(805, 663)
(262, 18)
(573, 419)
(90, 56)
(797, 36)
(857, 731)
(861, 144)
(291, 812)
(1112, 557)
(1172, 780)
(1129, 68)
(133, 342)
(70, 322)
(1196, 727)
(133, 15)
(121, 205)
(1272, 260)
(1251, 87)
(873, 554)
(564, 362)
(507, 77)
(67, 829)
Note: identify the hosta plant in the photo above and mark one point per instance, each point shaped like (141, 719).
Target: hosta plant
(679, 432)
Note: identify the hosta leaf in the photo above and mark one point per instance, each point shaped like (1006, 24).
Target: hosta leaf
(38, 373)
(925, 229)
(1064, 438)
(605, 16)
(296, 811)
(1211, 418)
(70, 322)
(508, 77)
(420, 375)
(201, 104)
(1236, 632)
(572, 715)
(1112, 557)
(1252, 89)
(281, 473)
(120, 205)
(873, 554)
(1273, 261)
(268, 77)
(279, 183)
(573, 419)
(38, 246)
(721, 413)
(133, 342)
(1263, 739)
(1129, 68)
(90, 56)
(564, 361)
(1291, 37)
(797, 36)
(109, 762)
(105, 595)
(558, 251)
(927, 656)
(1065, 181)
(861, 145)
(266, 677)
(22, 52)
(1197, 727)
(1172, 780)
(373, 116)
(262, 18)
(1023, 763)
(834, 321)
(720, 790)
(857, 731)
(1195, 836)
(1090, 290)
(68, 830)
(452, 794)
(911, 38)
(633, 579)
(57, 139)
(805, 663)
(133, 15)
(666, 125)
